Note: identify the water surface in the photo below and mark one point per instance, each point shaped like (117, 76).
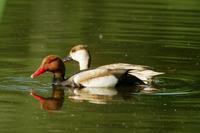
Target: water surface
(160, 34)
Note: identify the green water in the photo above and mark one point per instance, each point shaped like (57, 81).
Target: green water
(161, 34)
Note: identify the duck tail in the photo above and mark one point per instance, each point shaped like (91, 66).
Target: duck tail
(129, 80)
(134, 79)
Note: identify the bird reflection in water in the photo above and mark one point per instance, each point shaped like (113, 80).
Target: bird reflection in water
(104, 95)
(54, 102)
(92, 95)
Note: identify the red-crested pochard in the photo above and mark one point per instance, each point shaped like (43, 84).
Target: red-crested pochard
(99, 77)
(81, 54)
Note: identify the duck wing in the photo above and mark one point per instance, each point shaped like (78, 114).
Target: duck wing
(142, 72)
(145, 75)
(124, 66)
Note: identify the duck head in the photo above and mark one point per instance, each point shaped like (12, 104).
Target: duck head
(80, 54)
(54, 64)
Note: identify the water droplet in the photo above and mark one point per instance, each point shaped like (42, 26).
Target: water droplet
(100, 36)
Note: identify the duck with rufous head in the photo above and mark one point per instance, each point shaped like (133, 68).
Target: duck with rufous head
(98, 77)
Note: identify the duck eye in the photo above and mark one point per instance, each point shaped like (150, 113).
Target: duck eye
(73, 50)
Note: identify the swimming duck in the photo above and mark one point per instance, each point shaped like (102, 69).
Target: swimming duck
(99, 77)
(81, 54)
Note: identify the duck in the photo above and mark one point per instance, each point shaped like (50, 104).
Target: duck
(96, 77)
(81, 54)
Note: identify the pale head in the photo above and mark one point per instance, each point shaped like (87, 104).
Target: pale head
(80, 54)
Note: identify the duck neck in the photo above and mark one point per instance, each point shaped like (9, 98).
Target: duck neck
(85, 64)
(59, 74)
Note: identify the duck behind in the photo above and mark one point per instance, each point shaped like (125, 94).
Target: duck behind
(81, 54)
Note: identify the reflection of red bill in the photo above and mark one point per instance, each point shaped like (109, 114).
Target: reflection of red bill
(36, 96)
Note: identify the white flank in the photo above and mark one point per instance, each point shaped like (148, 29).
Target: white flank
(105, 81)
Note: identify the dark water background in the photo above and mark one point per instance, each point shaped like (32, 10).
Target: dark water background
(162, 34)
